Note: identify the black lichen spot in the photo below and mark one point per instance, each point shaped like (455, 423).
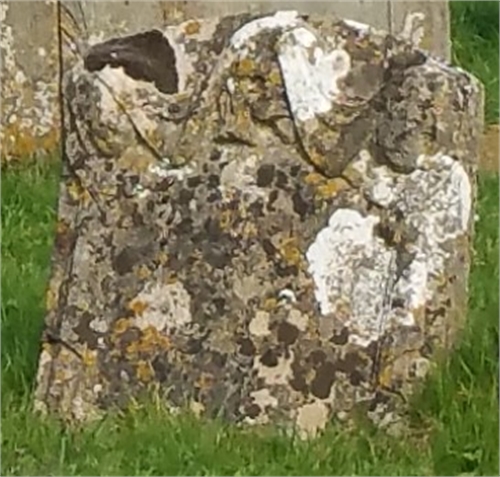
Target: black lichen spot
(323, 380)
(269, 248)
(298, 381)
(273, 196)
(355, 378)
(341, 338)
(217, 255)
(194, 181)
(215, 155)
(281, 180)
(146, 56)
(316, 357)
(287, 333)
(300, 206)
(252, 411)
(220, 305)
(161, 369)
(283, 270)
(185, 226)
(247, 348)
(294, 171)
(185, 196)
(85, 333)
(213, 230)
(256, 208)
(125, 261)
(351, 363)
(265, 175)
(269, 358)
(213, 181)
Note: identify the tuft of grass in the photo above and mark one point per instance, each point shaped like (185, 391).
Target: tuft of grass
(475, 33)
(456, 416)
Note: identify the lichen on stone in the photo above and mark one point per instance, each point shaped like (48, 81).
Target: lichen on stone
(280, 234)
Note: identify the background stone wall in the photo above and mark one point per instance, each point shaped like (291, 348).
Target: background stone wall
(34, 33)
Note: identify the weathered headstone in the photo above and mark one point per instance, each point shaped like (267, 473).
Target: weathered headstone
(265, 217)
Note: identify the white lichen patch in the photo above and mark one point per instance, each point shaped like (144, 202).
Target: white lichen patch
(360, 27)
(310, 73)
(437, 200)
(281, 19)
(311, 419)
(351, 265)
(298, 319)
(165, 307)
(259, 326)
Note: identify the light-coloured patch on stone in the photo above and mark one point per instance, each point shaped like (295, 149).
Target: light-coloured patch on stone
(168, 306)
(241, 175)
(281, 19)
(349, 264)
(115, 87)
(437, 200)
(259, 326)
(298, 319)
(276, 375)
(99, 325)
(311, 419)
(361, 27)
(263, 398)
(310, 74)
(165, 170)
(413, 29)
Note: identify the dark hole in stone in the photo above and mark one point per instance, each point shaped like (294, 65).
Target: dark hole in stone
(146, 56)
(269, 358)
(323, 380)
(287, 333)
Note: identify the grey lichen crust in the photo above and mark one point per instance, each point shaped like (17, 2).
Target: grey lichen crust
(266, 218)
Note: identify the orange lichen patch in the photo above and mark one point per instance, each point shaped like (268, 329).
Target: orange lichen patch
(192, 28)
(244, 67)
(270, 304)
(250, 230)
(162, 258)
(19, 142)
(49, 348)
(122, 325)
(331, 188)
(150, 341)
(89, 357)
(78, 193)
(145, 372)
(290, 252)
(137, 307)
(314, 178)
(171, 278)
(143, 272)
(51, 299)
(136, 160)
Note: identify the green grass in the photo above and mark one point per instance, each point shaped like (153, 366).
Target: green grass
(456, 418)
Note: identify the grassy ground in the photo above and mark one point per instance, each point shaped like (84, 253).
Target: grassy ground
(458, 409)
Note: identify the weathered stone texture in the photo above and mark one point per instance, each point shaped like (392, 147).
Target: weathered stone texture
(269, 217)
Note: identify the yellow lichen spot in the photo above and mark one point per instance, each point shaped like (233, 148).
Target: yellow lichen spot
(89, 357)
(78, 193)
(385, 377)
(314, 178)
(162, 258)
(192, 28)
(331, 188)
(290, 252)
(171, 278)
(121, 325)
(144, 371)
(250, 230)
(275, 78)
(245, 67)
(51, 299)
(137, 307)
(143, 272)
(225, 219)
(270, 304)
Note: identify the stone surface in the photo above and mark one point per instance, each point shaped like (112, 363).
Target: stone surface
(267, 219)
(40, 39)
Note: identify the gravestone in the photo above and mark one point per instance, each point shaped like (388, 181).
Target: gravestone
(262, 217)
(39, 41)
